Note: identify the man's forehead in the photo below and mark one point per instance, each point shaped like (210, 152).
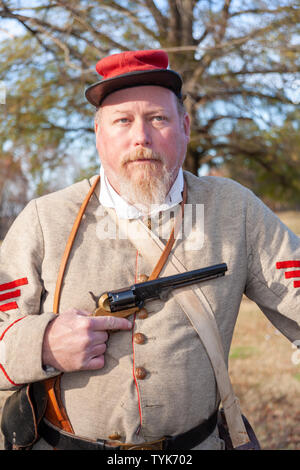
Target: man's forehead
(152, 95)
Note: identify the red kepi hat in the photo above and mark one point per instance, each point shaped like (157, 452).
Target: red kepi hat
(133, 68)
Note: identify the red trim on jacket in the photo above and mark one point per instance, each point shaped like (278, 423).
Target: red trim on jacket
(290, 274)
(8, 306)
(10, 295)
(1, 365)
(12, 284)
(288, 264)
(9, 326)
(7, 376)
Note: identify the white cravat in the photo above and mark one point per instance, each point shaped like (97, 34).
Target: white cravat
(110, 198)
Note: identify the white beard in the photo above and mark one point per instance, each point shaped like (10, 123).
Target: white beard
(147, 184)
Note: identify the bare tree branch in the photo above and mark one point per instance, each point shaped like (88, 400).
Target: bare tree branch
(44, 26)
(223, 48)
(174, 26)
(225, 52)
(51, 125)
(259, 11)
(160, 20)
(112, 5)
(223, 22)
(257, 71)
(186, 8)
(212, 96)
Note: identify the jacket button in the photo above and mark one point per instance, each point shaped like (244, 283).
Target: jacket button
(142, 314)
(139, 338)
(115, 436)
(140, 373)
(143, 278)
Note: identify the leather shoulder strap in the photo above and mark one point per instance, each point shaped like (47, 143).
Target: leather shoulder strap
(169, 245)
(158, 267)
(197, 308)
(69, 245)
(55, 411)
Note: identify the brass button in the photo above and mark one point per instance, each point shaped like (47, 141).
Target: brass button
(115, 436)
(143, 278)
(140, 373)
(139, 338)
(142, 314)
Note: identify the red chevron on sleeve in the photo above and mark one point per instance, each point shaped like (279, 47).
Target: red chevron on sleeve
(290, 274)
(13, 284)
(288, 264)
(11, 294)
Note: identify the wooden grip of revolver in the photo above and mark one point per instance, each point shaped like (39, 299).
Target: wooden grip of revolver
(104, 309)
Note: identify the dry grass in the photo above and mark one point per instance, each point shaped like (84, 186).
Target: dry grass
(266, 379)
(263, 374)
(291, 219)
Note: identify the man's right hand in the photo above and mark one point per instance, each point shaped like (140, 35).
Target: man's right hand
(75, 340)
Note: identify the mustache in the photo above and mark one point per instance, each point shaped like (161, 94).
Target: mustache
(142, 154)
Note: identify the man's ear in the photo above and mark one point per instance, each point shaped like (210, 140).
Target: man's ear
(187, 126)
(95, 127)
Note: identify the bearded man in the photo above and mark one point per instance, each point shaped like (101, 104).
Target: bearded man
(146, 381)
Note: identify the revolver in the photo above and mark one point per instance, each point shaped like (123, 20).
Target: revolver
(128, 300)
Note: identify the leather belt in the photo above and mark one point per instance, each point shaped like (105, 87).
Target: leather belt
(62, 440)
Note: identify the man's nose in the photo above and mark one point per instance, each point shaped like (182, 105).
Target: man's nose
(141, 133)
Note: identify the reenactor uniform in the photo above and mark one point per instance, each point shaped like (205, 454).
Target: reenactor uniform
(157, 379)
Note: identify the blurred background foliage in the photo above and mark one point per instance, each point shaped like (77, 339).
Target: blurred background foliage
(239, 61)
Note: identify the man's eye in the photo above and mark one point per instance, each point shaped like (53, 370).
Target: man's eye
(159, 118)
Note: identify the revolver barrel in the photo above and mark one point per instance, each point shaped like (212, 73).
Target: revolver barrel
(134, 296)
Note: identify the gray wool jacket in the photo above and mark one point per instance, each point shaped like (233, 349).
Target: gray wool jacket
(179, 391)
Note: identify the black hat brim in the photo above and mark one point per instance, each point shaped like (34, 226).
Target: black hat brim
(166, 78)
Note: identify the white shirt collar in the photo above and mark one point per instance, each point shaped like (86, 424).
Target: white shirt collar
(110, 198)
